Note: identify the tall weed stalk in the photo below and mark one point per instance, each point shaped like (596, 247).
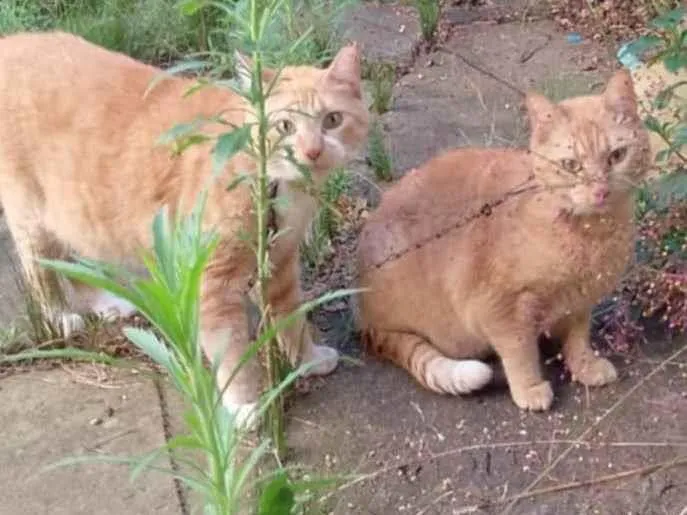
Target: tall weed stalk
(169, 297)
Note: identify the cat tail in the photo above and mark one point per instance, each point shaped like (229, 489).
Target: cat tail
(426, 364)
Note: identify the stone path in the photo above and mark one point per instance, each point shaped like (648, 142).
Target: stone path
(426, 454)
(48, 416)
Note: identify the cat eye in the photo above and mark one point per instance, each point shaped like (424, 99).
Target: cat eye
(617, 155)
(332, 120)
(571, 165)
(286, 127)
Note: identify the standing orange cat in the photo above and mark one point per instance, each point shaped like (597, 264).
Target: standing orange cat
(550, 231)
(80, 172)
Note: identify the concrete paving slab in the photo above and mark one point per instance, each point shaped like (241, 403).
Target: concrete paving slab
(439, 455)
(51, 415)
(384, 32)
(444, 102)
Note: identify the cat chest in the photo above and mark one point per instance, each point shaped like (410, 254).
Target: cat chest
(589, 266)
(294, 212)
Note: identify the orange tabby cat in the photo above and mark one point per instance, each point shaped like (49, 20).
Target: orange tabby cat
(550, 231)
(80, 172)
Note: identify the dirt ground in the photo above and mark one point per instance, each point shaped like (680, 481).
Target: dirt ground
(621, 449)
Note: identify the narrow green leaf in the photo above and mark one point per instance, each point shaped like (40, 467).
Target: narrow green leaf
(145, 462)
(674, 61)
(228, 145)
(247, 467)
(191, 7)
(91, 274)
(183, 143)
(278, 497)
(236, 181)
(150, 345)
(663, 155)
(180, 131)
(171, 71)
(680, 136)
(644, 43)
(669, 19)
(197, 86)
(66, 353)
(652, 123)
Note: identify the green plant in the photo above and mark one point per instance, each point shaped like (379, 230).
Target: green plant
(429, 11)
(20, 15)
(656, 286)
(326, 223)
(150, 30)
(378, 156)
(314, 23)
(667, 41)
(169, 299)
(382, 77)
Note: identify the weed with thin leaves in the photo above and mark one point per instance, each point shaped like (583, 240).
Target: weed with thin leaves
(382, 77)
(378, 155)
(135, 28)
(655, 288)
(667, 43)
(429, 12)
(326, 223)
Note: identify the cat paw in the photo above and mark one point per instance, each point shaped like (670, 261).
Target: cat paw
(457, 377)
(70, 323)
(598, 372)
(535, 398)
(110, 307)
(324, 360)
(245, 414)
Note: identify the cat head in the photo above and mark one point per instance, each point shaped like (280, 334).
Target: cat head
(591, 150)
(319, 113)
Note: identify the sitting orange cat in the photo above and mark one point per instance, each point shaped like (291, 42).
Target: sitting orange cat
(485, 250)
(80, 172)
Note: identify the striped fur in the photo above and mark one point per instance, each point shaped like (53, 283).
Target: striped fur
(426, 364)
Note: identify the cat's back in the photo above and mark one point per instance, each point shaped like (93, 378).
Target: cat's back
(56, 84)
(54, 59)
(441, 192)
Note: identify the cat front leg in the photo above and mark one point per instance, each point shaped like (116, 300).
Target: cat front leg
(519, 352)
(585, 366)
(45, 287)
(224, 333)
(296, 341)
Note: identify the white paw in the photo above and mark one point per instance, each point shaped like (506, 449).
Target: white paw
(457, 376)
(71, 323)
(324, 360)
(109, 306)
(245, 414)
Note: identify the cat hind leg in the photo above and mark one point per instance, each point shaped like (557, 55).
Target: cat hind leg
(426, 364)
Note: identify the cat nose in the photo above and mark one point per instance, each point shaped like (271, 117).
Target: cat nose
(601, 194)
(313, 153)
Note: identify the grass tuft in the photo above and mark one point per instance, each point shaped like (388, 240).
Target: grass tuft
(327, 223)
(429, 11)
(378, 155)
(382, 77)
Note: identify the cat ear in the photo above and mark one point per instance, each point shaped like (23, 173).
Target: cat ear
(540, 109)
(244, 71)
(345, 69)
(620, 98)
